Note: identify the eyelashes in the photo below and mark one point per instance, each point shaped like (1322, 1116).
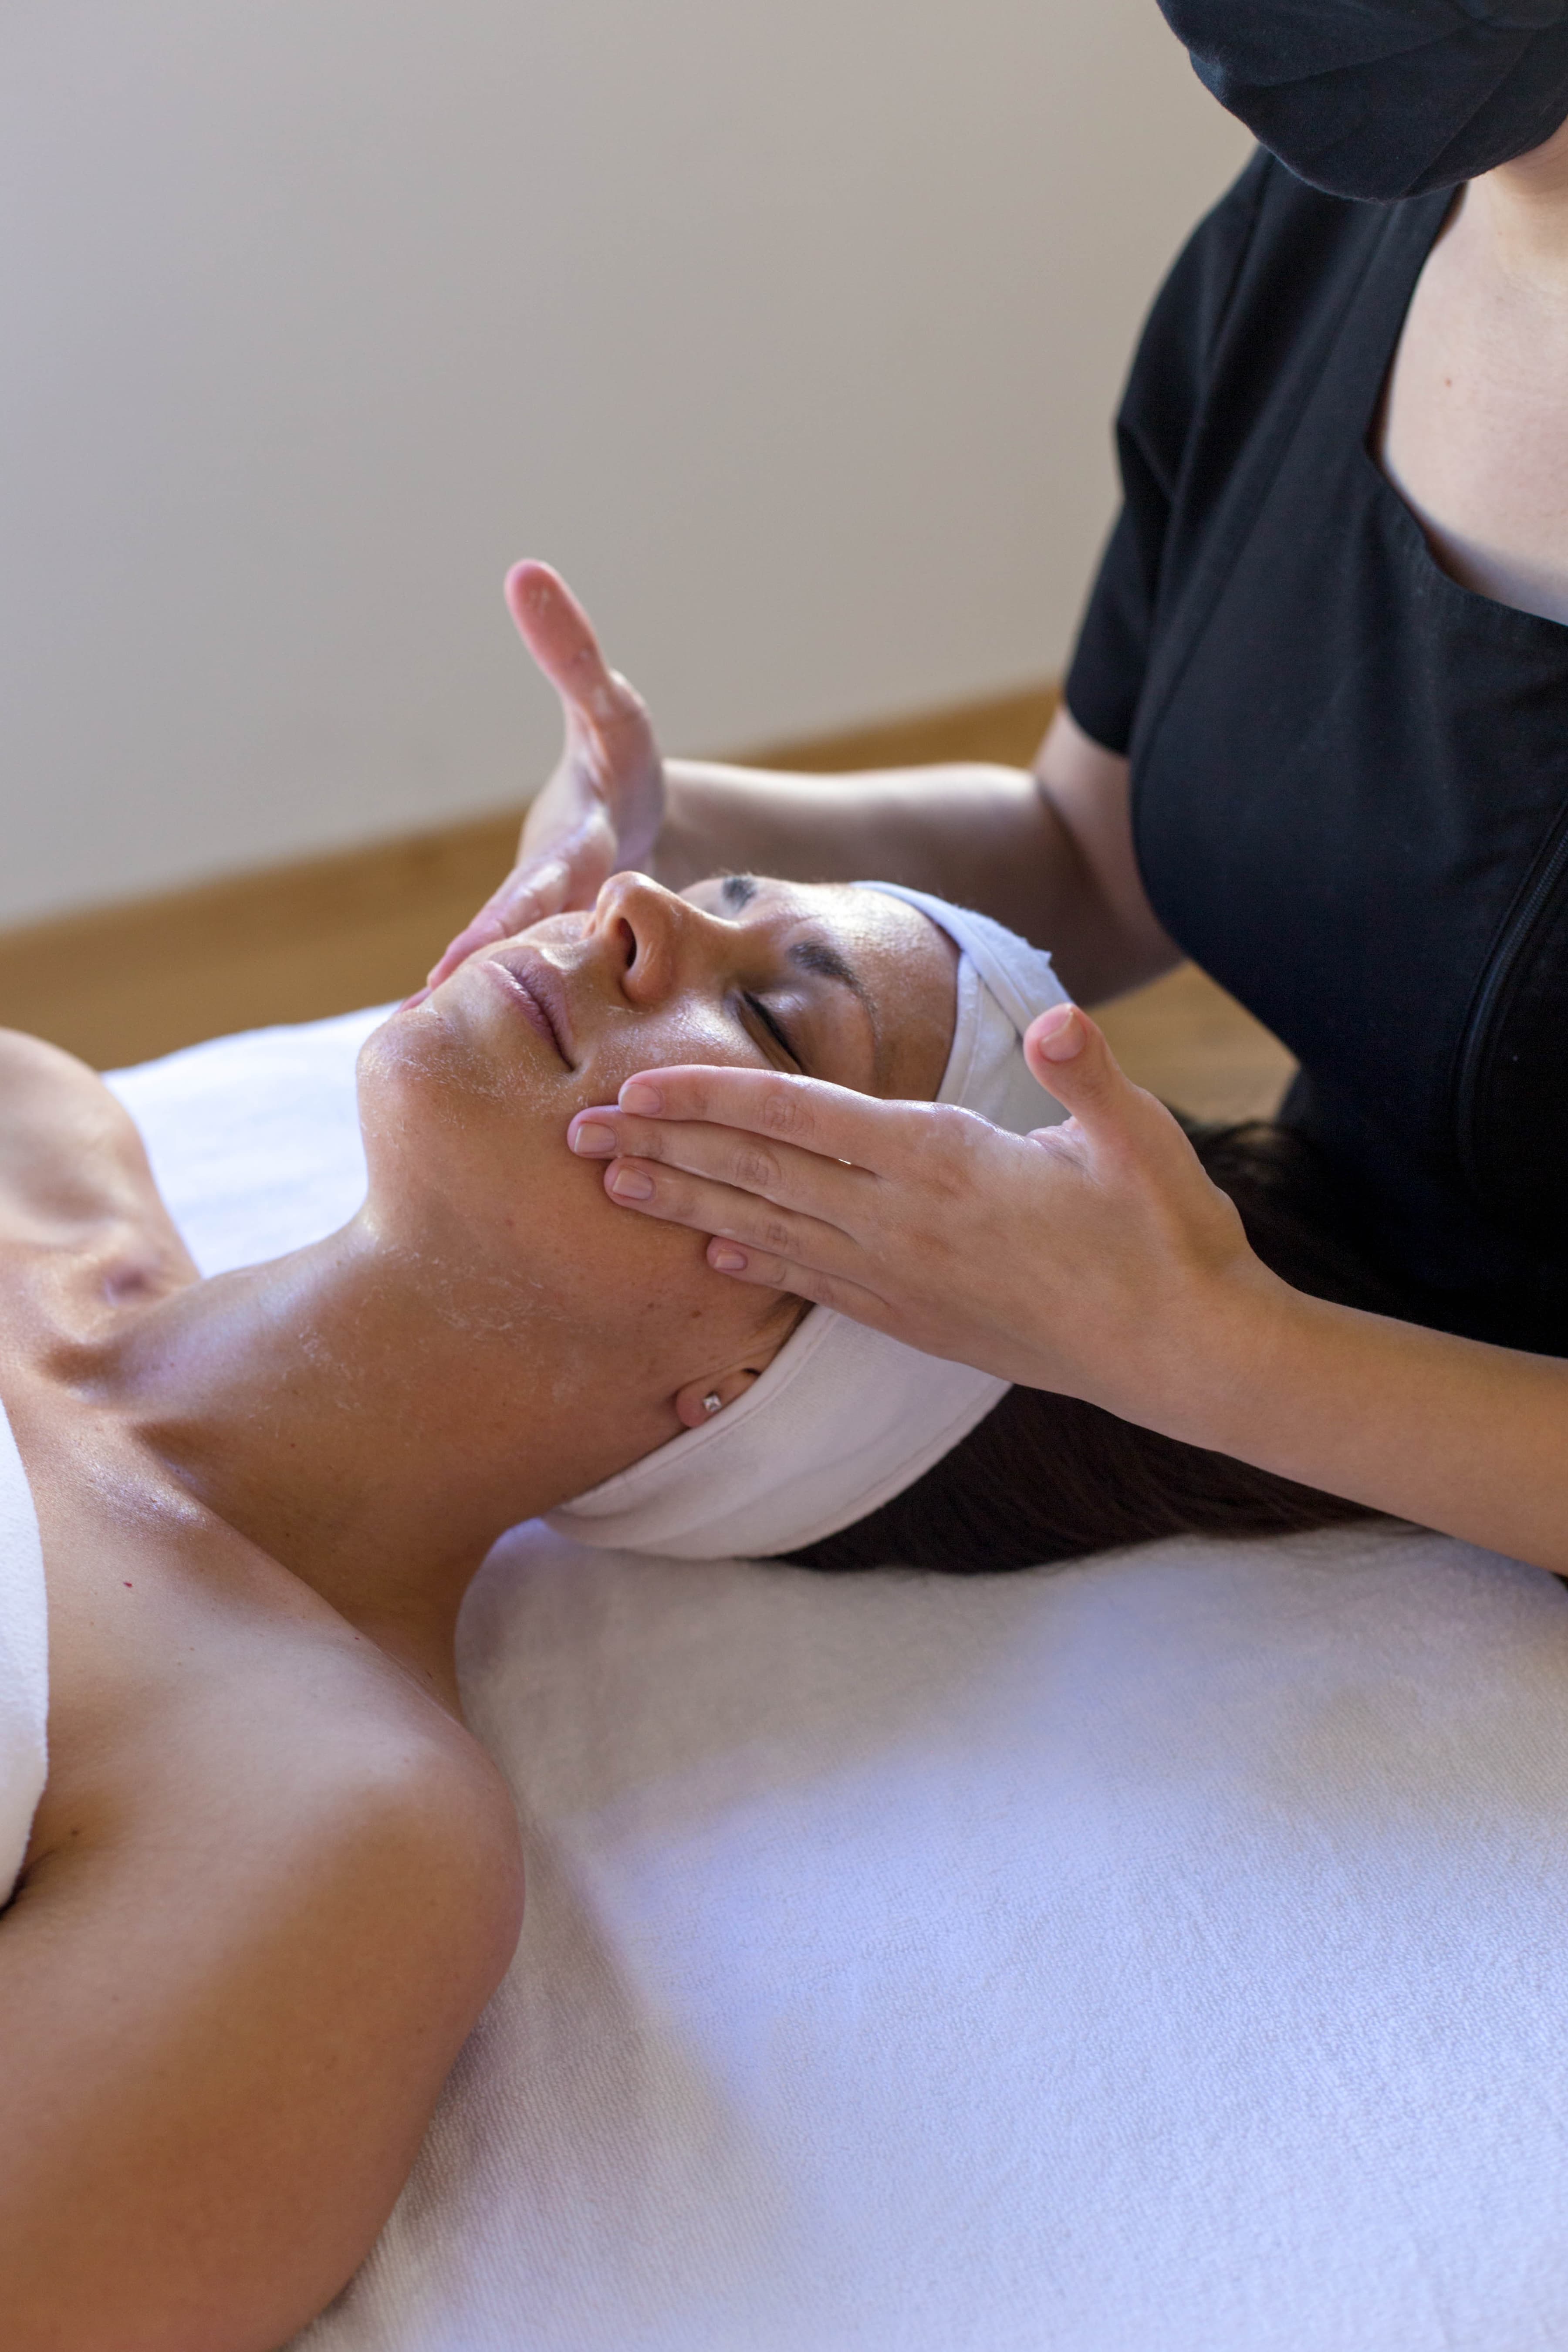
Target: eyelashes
(760, 1012)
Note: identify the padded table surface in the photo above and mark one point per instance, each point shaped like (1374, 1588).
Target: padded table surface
(1167, 1954)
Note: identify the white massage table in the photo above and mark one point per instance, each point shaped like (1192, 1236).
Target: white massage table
(1169, 1954)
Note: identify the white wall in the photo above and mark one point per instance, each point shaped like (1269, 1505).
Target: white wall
(789, 328)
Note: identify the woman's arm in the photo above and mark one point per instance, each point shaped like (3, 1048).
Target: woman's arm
(1097, 1259)
(1048, 853)
(228, 1999)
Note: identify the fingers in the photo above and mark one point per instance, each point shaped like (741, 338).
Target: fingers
(560, 636)
(765, 1271)
(735, 1220)
(569, 874)
(807, 1113)
(528, 893)
(778, 1172)
(484, 931)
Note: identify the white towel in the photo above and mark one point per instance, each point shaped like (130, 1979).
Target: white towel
(1165, 1954)
(24, 1663)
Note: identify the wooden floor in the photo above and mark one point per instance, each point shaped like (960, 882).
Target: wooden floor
(121, 983)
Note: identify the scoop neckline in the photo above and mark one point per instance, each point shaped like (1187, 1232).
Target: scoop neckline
(1409, 522)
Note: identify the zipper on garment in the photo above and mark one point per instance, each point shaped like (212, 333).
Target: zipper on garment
(1475, 1045)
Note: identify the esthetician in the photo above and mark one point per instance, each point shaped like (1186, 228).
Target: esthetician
(1315, 737)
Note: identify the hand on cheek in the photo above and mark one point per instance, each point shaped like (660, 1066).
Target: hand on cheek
(1094, 1257)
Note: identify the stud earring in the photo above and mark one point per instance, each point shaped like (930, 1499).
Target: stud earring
(712, 1401)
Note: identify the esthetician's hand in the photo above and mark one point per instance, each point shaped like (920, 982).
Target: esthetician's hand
(1095, 1257)
(603, 806)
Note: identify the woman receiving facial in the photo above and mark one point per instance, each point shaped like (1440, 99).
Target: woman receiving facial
(271, 1880)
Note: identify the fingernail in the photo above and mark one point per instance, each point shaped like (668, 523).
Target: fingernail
(418, 997)
(631, 1184)
(639, 1095)
(1058, 1034)
(727, 1260)
(592, 1141)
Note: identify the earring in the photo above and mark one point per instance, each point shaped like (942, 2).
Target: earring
(712, 1401)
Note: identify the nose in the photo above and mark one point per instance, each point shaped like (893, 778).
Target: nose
(654, 937)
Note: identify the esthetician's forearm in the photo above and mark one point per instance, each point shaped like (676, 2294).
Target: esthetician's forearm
(987, 836)
(957, 830)
(1457, 1435)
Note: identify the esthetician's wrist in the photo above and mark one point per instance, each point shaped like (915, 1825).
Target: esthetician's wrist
(683, 851)
(1226, 1366)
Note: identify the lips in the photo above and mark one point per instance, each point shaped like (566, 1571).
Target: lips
(535, 988)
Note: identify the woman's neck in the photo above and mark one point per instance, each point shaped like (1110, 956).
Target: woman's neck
(373, 1419)
(1518, 214)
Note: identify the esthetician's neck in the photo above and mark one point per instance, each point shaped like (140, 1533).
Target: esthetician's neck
(373, 1419)
(1519, 215)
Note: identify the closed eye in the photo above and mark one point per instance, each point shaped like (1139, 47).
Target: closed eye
(755, 1004)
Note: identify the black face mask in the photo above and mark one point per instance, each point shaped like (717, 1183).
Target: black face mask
(1384, 98)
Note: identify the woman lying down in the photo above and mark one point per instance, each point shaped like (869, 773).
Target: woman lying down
(270, 1880)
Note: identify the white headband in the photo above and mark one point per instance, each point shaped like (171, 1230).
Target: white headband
(844, 1418)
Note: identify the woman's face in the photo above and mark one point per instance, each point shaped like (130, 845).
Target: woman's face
(465, 1099)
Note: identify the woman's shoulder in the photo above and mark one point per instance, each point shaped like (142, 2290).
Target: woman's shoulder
(1249, 309)
(192, 1674)
(72, 1164)
(271, 1884)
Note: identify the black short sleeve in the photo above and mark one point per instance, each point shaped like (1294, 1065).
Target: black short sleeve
(1349, 771)
(1164, 395)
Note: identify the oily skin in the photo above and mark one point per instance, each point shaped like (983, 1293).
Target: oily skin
(272, 1880)
(486, 1337)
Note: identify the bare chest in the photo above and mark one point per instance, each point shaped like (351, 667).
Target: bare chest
(1474, 432)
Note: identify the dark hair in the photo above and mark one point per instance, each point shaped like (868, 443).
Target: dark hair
(1046, 1477)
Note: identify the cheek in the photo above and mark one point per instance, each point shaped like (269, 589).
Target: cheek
(431, 1095)
(630, 1279)
(480, 1157)
(699, 1032)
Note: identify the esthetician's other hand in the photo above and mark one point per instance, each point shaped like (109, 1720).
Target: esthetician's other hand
(602, 808)
(1095, 1258)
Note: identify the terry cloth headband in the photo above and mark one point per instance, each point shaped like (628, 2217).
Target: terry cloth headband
(1384, 99)
(844, 1418)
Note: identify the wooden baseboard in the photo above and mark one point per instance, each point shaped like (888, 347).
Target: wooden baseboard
(120, 984)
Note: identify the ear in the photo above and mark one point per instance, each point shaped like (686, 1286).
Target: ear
(701, 1401)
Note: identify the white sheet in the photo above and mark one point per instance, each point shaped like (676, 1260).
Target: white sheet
(23, 1664)
(1168, 1955)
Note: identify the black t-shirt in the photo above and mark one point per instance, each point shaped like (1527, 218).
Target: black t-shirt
(1350, 774)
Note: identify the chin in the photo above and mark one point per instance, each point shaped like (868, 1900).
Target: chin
(437, 1086)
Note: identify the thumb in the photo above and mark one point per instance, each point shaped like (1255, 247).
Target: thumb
(1068, 1053)
(560, 636)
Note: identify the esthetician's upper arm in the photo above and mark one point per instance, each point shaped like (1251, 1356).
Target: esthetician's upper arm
(227, 2008)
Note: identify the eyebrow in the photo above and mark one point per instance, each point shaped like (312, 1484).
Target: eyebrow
(816, 955)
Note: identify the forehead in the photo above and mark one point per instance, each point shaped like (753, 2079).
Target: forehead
(904, 967)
